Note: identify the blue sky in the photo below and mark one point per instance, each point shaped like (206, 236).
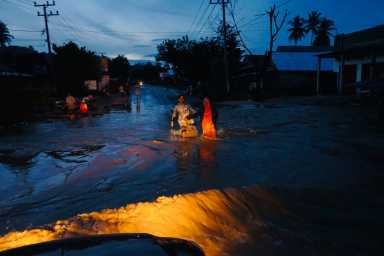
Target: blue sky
(135, 27)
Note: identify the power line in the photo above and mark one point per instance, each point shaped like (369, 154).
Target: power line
(21, 6)
(26, 30)
(253, 21)
(28, 39)
(73, 31)
(69, 27)
(201, 20)
(215, 25)
(195, 18)
(238, 32)
(207, 19)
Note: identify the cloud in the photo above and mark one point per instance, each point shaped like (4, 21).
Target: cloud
(118, 26)
(153, 55)
(158, 40)
(141, 46)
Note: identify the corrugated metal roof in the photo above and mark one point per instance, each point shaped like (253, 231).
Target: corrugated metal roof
(300, 61)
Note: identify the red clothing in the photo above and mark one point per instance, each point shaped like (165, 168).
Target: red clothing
(83, 108)
(207, 124)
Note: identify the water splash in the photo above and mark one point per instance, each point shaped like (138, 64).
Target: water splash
(219, 221)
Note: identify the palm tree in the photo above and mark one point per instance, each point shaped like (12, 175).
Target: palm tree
(312, 23)
(324, 32)
(5, 36)
(297, 30)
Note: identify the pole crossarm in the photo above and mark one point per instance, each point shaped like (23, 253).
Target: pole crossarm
(46, 4)
(219, 2)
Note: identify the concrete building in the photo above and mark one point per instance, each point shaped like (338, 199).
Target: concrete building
(359, 57)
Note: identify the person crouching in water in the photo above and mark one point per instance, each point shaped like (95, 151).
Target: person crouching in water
(70, 103)
(184, 114)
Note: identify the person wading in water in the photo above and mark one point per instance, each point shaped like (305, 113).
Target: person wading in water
(184, 114)
(207, 122)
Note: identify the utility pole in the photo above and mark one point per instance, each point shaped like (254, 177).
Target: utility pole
(223, 4)
(46, 15)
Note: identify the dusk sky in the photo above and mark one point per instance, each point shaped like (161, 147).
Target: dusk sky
(134, 27)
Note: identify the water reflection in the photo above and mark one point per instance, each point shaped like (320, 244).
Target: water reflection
(197, 156)
(217, 220)
(138, 98)
(207, 157)
(185, 152)
(129, 104)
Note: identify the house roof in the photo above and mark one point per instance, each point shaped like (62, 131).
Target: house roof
(300, 61)
(303, 48)
(254, 61)
(371, 37)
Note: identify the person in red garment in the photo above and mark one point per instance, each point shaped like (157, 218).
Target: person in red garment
(83, 107)
(207, 125)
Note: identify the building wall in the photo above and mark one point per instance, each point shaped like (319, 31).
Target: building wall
(303, 82)
(366, 60)
(359, 69)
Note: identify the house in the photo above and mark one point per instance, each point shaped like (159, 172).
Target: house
(295, 69)
(359, 57)
(251, 73)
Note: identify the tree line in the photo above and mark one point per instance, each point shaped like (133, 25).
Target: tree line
(71, 64)
(318, 27)
(200, 62)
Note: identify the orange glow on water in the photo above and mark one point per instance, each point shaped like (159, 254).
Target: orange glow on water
(207, 124)
(217, 220)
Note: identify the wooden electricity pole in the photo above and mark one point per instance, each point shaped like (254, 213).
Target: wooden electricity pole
(46, 15)
(223, 4)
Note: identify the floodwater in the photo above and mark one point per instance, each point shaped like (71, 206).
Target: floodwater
(287, 177)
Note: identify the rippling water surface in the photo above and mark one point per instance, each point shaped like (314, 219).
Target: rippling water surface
(279, 179)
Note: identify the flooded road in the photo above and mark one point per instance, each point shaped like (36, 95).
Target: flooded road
(286, 177)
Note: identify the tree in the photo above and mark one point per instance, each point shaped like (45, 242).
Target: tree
(119, 68)
(5, 36)
(192, 59)
(201, 61)
(73, 66)
(276, 23)
(312, 23)
(323, 34)
(297, 30)
(146, 71)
